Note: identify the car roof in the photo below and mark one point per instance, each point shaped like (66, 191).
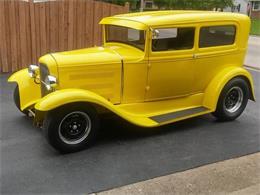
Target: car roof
(143, 20)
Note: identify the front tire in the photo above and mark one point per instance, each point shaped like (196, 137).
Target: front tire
(232, 100)
(71, 128)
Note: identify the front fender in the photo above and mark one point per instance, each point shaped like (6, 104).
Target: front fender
(29, 91)
(67, 96)
(216, 85)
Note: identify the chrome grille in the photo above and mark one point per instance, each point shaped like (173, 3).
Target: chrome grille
(44, 72)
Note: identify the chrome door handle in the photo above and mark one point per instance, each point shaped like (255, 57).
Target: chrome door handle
(195, 56)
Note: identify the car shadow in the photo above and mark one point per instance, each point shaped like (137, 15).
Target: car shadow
(114, 128)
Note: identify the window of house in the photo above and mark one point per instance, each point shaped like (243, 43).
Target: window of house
(168, 39)
(149, 4)
(256, 5)
(217, 36)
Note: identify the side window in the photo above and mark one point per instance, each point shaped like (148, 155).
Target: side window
(168, 39)
(217, 36)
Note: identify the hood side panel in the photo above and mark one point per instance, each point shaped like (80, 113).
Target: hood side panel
(94, 69)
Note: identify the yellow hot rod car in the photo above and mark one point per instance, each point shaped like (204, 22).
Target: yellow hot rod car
(154, 68)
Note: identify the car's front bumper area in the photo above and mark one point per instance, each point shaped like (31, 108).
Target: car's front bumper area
(29, 89)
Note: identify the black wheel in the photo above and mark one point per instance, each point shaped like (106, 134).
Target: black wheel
(232, 100)
(16, 97)
(71, 128)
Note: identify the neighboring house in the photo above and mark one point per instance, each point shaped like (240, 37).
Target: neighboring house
(149, 4)
(254, 9)
(142, 5)
(248, 7)
(240, 6)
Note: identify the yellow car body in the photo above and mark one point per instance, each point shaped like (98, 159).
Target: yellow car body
(147, 88)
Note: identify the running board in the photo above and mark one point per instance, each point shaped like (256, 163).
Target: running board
(179, 114)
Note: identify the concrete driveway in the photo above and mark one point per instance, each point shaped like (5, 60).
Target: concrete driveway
(253, 53)
(124, 153)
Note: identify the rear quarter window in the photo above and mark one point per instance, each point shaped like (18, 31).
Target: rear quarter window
(212, 36)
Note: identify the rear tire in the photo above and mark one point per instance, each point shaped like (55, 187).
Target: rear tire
(232, 100)
(71, 128)
(16, 97)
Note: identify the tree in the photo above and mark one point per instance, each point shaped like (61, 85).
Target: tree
(194, 4)
(181, 4)
(121, 2)
(221, 4)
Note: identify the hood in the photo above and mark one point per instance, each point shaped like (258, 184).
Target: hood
(88, 56)
(99, 55)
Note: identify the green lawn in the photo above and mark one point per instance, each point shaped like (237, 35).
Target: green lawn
(255, 27)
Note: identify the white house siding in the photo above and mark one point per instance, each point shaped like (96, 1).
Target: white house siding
(243, 6)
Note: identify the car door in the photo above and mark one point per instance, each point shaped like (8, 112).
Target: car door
(171, 62)
(217, 48)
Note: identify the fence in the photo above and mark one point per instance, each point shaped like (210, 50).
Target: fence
(29, 30)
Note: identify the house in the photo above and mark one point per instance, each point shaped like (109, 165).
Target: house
(149, 4)
(240, 6)
(248, 7)
(254, 9)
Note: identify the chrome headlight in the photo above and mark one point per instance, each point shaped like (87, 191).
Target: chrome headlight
(50, 82)
(33, 70)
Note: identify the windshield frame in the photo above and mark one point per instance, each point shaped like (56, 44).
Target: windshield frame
(123, 42)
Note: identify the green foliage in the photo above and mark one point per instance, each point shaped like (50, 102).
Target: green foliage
(193, 4)
(122, 2)
(255, 27)
(180, 4)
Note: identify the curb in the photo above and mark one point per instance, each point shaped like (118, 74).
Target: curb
(252, 68)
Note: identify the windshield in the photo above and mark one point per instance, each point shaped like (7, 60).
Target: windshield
(125, 35)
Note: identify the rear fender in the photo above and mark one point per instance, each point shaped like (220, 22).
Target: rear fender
(215, 87)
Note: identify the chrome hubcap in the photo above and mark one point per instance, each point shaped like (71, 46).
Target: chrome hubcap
(74, 127)
(233, 99)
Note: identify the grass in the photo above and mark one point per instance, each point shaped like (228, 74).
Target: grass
(255, 27)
